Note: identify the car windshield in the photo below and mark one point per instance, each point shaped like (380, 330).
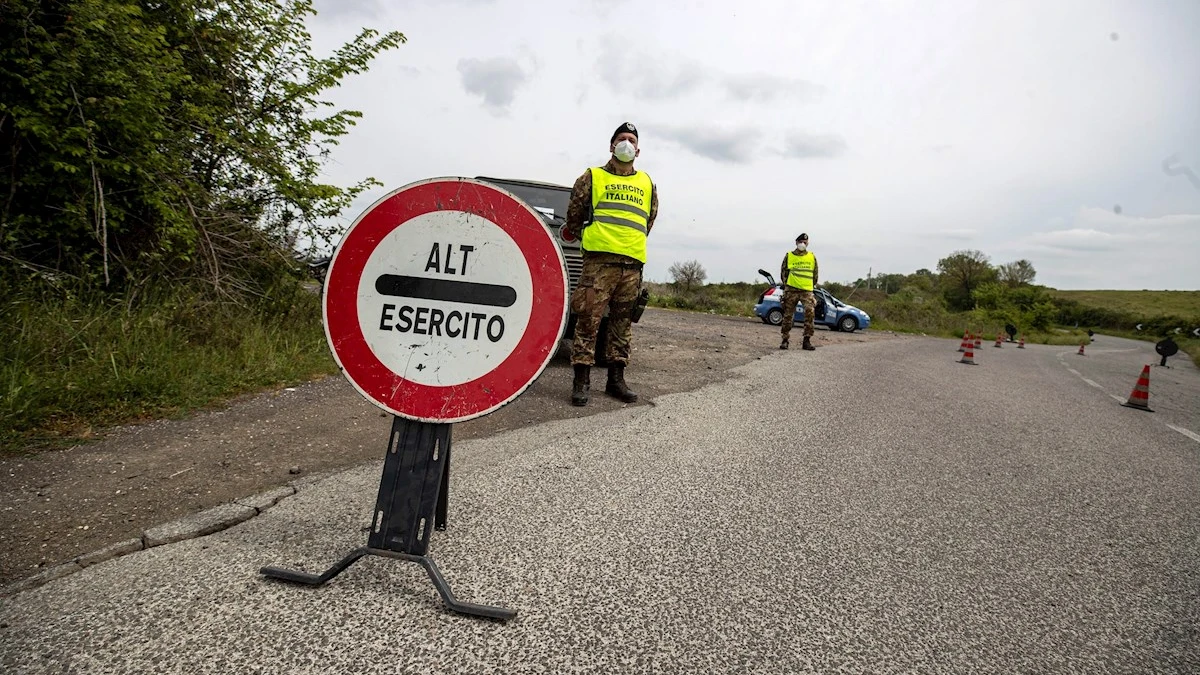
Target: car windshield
(537, 196)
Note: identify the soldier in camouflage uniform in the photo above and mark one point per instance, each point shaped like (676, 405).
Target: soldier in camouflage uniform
(612, 209)
(798, 283)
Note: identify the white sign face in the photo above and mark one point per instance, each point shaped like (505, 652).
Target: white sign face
(445, 299)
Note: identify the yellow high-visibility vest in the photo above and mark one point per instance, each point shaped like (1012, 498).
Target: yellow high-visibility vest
(800, 270)
(620, 214)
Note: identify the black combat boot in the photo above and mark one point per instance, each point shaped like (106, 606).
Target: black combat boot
(808, 345)
(784, 344)
(581, 385)
(616, 385)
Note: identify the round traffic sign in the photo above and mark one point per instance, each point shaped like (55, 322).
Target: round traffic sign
(445, 300)
(1166, 347)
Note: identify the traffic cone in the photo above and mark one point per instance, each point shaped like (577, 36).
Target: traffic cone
(1080, 352)
(1140, 397)
(962, 346)
(998, 341)
(969, 356)
(1021, 344)
(978, 342)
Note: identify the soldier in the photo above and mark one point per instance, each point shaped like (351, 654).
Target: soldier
(621, 204)
(799, 277)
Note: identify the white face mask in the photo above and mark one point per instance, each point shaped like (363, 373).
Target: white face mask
(802, 246)
(624, 151)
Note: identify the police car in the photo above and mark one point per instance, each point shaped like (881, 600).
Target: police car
(829, 312)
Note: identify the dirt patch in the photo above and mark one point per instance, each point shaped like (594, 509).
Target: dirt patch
(62, 504)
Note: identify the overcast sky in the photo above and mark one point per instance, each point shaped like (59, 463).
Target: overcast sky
(893, 133)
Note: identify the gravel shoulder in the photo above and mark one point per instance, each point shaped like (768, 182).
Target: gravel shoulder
(59, 506)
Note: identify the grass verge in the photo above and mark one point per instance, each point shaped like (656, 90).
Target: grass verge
(72, 367)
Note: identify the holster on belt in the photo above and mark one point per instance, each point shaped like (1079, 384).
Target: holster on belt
(639, 305)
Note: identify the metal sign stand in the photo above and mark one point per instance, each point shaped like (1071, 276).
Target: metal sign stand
(412, 502)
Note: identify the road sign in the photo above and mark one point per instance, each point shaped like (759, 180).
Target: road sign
(1166, 347)
(445, 300)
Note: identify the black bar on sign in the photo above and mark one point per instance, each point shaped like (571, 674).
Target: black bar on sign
(446, 289)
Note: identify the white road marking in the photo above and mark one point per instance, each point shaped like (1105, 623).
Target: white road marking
(1074, 371)
(1190, 434)
(1092, 383)
(1116, 398)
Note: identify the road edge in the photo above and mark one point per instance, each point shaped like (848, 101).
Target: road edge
(191, 526)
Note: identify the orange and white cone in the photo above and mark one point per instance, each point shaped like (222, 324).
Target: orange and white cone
(962, 346)
(1140, 397)
(1021, 344)
(978, 342)
(1080, 352)
(998, 341)
(969, 356)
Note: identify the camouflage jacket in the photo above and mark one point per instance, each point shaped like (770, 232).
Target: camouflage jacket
(579, 208)
(783, 270)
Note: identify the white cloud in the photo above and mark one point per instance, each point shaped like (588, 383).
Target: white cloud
(960, 234)
(1102, 249)
(731, 146)
(804, 146)
(646, 77)
(496, 80)
(894, 133)
(1081, 239)
(766, 87)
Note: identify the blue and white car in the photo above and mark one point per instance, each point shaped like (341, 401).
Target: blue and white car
(829, 312)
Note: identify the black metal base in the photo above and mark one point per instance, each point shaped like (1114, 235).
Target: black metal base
(435, 575)
(1137, 407)
(412, 496)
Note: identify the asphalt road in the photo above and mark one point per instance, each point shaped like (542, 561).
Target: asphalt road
(872, 507)
(1112, 365)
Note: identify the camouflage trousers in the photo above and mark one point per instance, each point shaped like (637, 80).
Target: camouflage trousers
(791, 296)
(611, 285)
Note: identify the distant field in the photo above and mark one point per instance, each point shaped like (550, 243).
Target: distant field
(1147, 304)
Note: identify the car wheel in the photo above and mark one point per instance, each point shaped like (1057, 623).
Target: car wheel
(847, 324)
(775, 317)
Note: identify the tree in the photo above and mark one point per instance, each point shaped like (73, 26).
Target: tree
(889, 283)
(688, 274)
(1017, 273)
(962, 272)
(174, 141)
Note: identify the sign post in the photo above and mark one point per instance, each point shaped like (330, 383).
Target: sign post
(444, 301)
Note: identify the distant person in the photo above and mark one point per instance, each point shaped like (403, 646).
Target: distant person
(799, 277)
(612, 210)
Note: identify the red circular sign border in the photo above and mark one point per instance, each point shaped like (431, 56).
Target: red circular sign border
(478, 397)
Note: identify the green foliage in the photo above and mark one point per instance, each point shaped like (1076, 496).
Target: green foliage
(1016, 273)
(75, 364)
(911, 310)
(1145, 304)
(962, 272)
(1029, 308)
(733, 299)
(176, 141)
